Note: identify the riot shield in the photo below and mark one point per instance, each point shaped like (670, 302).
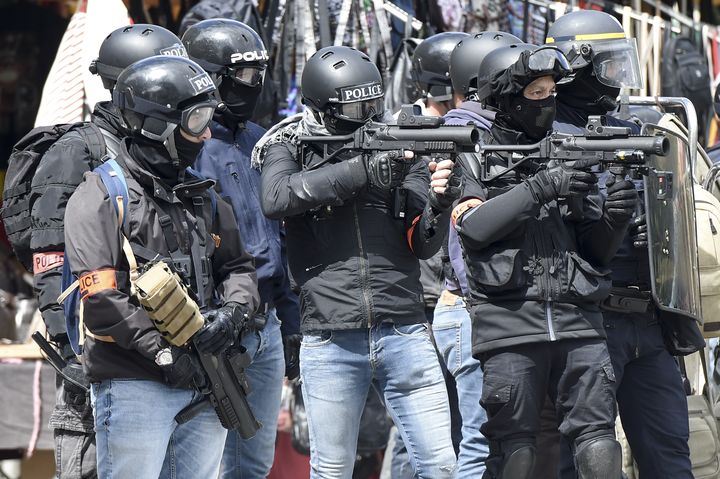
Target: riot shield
(672, 244)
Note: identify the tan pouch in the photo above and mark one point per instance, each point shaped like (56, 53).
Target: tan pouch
(168, 304)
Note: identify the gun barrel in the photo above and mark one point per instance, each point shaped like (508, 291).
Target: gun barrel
(463, 136)
(654, 145)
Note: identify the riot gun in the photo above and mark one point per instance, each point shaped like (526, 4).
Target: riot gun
(227, 388)
(424, 135)
(164, 291)
(615, 148)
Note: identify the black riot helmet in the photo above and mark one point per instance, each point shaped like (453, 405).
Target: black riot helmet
(591, 37)
(227, 48)
(126, 45)
(431, 65)
(236, 59)
(160, 93)
(344, 85)
(467, 56)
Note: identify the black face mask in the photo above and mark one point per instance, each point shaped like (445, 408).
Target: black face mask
(187, 150)
(587, 94)
(240, 100)
(338, 126)
(534, 117)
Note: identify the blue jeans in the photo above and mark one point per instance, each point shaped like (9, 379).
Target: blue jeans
(452, 329)
(138, 438)
(337, 370)
(253, 458)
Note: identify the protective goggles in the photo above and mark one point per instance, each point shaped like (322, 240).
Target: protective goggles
(548, 61)
(616, 63)
(249, 76)
(359, 111)
(196, 118)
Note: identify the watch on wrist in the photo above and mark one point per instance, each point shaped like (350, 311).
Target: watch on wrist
(164, 357)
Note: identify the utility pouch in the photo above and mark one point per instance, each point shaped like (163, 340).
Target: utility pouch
(168, 303)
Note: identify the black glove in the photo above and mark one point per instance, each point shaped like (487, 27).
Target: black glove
(291, 346)
(638, 232)
(222, 328)
(387, 169)
(443, 201)
(565, 179)
(622, 200)
(184, 371)
(75, 384)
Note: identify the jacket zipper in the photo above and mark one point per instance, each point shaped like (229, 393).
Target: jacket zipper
(547, 287)
(363, 269)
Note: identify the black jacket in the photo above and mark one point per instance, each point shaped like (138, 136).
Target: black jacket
(93, 243)
(354, 259)
(58, 174)
(536, 272)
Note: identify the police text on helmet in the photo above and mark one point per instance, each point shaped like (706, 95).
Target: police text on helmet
(361, 92)
(176, 50)
(202, 83)
(252, 56)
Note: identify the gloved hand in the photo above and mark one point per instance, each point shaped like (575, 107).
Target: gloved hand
(638, 231)
(387, 169)
(222, 328)
(622, 200)
(75, 384)
(447, 177)
(184, 371)
(291, 346)
(565, 179)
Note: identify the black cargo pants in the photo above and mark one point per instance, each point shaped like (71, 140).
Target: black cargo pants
(576, 374)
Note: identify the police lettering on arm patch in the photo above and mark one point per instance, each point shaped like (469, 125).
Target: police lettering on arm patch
(463, 208)
(95, 281)
(43, 262)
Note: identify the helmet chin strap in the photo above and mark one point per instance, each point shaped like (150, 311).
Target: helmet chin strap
(169, 145)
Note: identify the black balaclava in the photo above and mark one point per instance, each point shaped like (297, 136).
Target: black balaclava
(187, 151)
(587, 94)
(240, 100)
(155, 158)
(534, 117)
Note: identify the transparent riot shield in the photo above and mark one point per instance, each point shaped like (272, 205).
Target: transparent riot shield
(672, 244)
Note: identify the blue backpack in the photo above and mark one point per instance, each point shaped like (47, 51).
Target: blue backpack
(112, 176)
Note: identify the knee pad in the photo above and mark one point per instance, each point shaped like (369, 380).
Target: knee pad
(518, 462)
(599, 458)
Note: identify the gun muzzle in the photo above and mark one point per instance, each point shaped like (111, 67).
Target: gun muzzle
(464, 136)
(653, 145)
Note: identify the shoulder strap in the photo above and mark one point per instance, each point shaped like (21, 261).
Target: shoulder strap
(94, 139)
(115, 183)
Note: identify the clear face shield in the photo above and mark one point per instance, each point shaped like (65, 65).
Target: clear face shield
(616, 63)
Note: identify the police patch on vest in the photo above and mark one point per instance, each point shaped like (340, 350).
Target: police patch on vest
(46, 261)
(202, 83)
(367, 91)
(252, 56)
(177, 50)
(96, 281)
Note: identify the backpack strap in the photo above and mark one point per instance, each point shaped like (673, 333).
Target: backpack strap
(113, 178)
(94, 139)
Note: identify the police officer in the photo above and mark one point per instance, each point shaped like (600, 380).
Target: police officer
(353, 248)
(139, 381)
(57, 175)
(650, 393)
(535, 278)
(235, 57)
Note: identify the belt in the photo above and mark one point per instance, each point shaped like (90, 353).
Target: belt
(259, 319)
(626, 300)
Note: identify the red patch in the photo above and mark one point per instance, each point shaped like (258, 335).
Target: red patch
(46, 261)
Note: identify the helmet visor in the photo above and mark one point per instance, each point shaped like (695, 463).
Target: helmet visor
(361, 110)
(249, 76)
(616, 63)
(548, 61)
(196, 118)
